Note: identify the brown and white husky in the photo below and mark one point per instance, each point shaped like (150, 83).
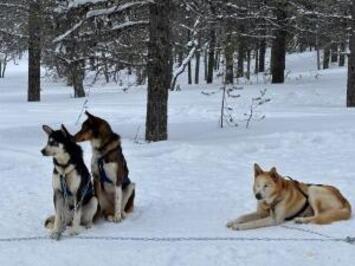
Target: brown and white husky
(281, 200)
(114, 189)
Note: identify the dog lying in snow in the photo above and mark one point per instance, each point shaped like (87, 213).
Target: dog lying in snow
(281, 200)
(113, 188)
(75, 203)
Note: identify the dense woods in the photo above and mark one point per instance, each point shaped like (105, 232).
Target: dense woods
(156, 41)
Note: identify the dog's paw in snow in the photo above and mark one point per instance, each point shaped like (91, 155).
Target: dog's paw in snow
(73, 231)
(117, 218)
(233, 225)
(55, 235)
(301, 220)
(229, 224)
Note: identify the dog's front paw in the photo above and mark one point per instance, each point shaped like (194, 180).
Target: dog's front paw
(55, 235)
(73, 231)
(88, 226)
(229, 224)
(235, 227)
(117, 218)
(301, 220)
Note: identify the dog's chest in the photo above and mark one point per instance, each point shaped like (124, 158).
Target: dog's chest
(94, 162)
(70, 180)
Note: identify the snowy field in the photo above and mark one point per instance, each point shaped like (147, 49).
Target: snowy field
(189, 186)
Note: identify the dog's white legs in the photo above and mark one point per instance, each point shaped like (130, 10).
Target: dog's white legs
(244, 218)
(59, 219)
(118, 206)
(58, 227)
(264, 222)
(75, 228)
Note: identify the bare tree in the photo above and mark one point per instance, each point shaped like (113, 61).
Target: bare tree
(159, 70)
(34, 51)
(350, 99)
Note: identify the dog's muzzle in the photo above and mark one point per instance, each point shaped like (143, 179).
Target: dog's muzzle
(44, 153)
(258, 196)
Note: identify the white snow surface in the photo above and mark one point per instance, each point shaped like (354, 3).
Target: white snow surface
(190, 185)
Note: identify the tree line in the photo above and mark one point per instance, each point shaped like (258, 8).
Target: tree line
(158, 40)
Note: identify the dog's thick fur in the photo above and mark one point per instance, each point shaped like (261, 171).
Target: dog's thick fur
(280, 200)
(80, 206)
(116, 198)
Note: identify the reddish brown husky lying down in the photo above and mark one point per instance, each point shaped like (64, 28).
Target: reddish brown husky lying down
(282, 200)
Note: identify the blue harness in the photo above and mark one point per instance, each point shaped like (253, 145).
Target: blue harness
(64, 186)
(86, 191)
(104, 178)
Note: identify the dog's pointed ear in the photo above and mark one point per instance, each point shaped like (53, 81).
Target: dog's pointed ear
(65, 131)
(47, 129)
(89, 115)
(274, 174)
(257, 170)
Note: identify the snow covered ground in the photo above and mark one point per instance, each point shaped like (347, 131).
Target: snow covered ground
(189, 186)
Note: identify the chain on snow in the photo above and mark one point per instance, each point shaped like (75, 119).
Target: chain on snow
(349, 240)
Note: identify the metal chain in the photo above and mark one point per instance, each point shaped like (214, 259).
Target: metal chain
(306, 231)
(349, 240)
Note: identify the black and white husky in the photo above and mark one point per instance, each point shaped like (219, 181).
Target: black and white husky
(75, 202)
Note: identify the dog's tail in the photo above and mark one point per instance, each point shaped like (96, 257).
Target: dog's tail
(49, 222)
(130, 203)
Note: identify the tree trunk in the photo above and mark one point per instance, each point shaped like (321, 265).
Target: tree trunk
(211, 56)
(77, 78)
(262, 56)
(217, 59)
(350, 95)
(205, 63)
(256, 69)
(248, 63)
(334, 56)
(241, 55)
(189, 73)
(326, 57)
(278, 50)
(342, 54)
(197, 64)
(159, 70)
(34, 52)
(229, 51)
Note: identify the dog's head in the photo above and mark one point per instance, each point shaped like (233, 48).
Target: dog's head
(92, 128)
(266, 183)
(57, 142)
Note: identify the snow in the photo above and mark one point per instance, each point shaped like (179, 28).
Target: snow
(190, 185)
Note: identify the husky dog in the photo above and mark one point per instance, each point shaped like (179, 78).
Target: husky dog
(74, 201)
(114, 190)
(282, 200)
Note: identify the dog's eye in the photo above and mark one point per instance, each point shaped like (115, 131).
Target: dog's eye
(266, 186)
(52, 142)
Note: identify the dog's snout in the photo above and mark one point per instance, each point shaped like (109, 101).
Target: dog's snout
(43, 151)
(258, 196)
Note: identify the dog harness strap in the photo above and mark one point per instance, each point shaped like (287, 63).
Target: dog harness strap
(306, 204)
(64, 186)
(302, 210)
(103, 176)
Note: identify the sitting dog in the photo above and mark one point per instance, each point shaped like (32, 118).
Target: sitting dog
(74, 201)
(282, 200)
(114, 190)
